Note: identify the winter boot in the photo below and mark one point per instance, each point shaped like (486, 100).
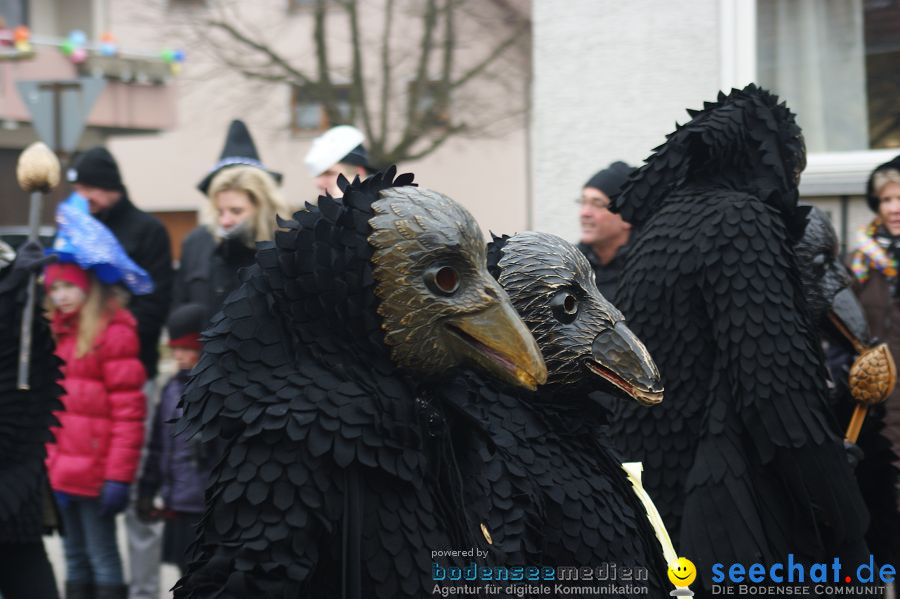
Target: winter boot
(111, 591)
(79, 590)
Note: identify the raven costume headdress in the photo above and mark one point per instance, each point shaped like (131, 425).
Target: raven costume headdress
(842, 322)
(745, 139)
(338, 478)
(541, 471)
(743, 457)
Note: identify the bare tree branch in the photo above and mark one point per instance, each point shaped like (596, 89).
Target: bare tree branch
(442, 101)
(358, 88)
(476, 70)
(431, 147)
(386, 71)
(324, 89)
(420, 81)
(276, 59)
(463, 88)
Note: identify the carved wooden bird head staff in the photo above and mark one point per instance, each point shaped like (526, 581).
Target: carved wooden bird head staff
(582, 336)
(440, 305)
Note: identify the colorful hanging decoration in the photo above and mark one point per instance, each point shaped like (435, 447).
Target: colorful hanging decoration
(78, 56)
(108, 45)
(22, 38)
(74, 46)
(77, 48)
(78, 37)
(173, 58)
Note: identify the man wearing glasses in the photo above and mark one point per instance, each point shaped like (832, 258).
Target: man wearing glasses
(603, 233)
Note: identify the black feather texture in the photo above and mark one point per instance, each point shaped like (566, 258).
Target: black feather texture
(745, 138)
(541, 471)
(742, 458)
(338, 474)
(25, 416)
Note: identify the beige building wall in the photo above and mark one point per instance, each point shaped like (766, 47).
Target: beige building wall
(610, 80)
(487, 175)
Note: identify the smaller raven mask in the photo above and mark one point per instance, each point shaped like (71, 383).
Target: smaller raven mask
(580, 333)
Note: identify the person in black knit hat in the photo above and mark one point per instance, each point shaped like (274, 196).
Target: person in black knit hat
(95, 175)
(604, 235)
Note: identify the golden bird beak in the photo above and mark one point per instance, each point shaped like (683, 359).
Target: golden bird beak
(498, 342)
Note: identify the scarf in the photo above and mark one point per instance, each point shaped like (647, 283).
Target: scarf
(875, 249)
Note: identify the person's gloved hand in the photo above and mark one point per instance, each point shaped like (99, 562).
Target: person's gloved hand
(113, 497)
(62, 499)
(855, 455)
(145, 509)
(30, 259)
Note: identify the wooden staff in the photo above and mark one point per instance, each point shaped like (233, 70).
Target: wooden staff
(872, 378)
(37, 173)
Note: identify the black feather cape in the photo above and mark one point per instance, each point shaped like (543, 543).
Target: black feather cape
(742, 457)
(25, 416)
(333, 482)
(549, 490)
(541, 472)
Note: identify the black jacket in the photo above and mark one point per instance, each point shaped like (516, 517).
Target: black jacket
(607, 275)
(25, 416)
(146, 241)
(209, 271)
(327, 482)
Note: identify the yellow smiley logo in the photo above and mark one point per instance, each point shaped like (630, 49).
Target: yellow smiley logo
(682, 572)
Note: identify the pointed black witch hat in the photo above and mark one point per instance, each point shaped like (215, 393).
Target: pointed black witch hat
(239, 150)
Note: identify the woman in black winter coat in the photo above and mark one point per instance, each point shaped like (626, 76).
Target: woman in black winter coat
(242, 204)
(26, 507)
(874, 262)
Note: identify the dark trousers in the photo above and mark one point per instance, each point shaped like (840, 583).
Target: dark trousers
(25, 572)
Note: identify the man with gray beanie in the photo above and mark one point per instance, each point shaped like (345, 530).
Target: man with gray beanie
(604, 234)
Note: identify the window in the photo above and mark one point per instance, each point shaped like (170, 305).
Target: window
(836, 65)
(297, 5)
(13, 13)
(308, 113)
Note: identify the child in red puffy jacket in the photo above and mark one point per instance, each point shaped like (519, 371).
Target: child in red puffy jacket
(98, 443)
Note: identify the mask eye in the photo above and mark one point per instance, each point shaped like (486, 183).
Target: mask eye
(442, 279)
(819, 263)
(565, 306)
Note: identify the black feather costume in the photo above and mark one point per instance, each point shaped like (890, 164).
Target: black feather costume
(25, 415)
(338, 479)
(541, 471)
(742, 458)
(826, 284)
